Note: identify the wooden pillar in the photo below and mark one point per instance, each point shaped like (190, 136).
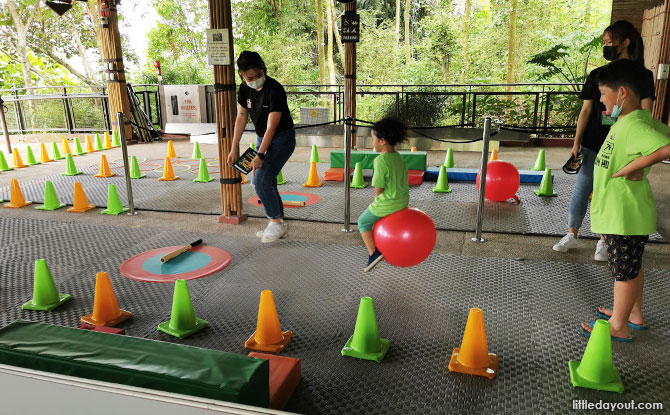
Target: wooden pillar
(350, 77)
(220, 17)
(661, 110)
(112, 60)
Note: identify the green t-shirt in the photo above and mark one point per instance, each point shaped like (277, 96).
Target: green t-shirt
(621, 206)
(390, 172)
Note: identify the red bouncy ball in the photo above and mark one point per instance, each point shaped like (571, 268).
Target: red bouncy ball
(502, 181)
(406, 237)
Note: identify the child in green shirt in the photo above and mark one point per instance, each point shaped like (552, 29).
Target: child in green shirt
(389, 180)
(623, 207)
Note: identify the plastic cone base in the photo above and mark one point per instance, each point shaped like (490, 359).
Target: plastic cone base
(52, 208)
(199, 325)
(537, 192)
(359, 186)
(252, 344)
(198, 180)
(124, 315)
(141, 176)
(81, 210)
(347, 350)
(105, 175)
(114, 212)
(282, 181)
(490, 371)
(436, 190)
(614, 386)
(12, 205)
(76, 173)
(163, 179)
(30, 305)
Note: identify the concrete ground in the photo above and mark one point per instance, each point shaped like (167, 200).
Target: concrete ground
(497, 245)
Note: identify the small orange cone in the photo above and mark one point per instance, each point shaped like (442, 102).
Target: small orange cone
(44, 156)
(17, 163)
(244, 179)
(89, 145)
(313, 178)
(494, 155)
(268, 336)
(413, 148)
(108, 141)
(104, 168)
(106, 311)
(473, 356)
(80, 204)
(171, 153)
(66, 148)
(16, 199)
(168, 173)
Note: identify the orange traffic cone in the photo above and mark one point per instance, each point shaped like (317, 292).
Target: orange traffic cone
(313, 178)
(413, 148)
(17, 163)
(108, 141)
(171, 153)
(494, 155)
(104, 168)
(44, 156)
(473, 356)
(106, 311)
(244, 179)
(16, 199)
(89, 145)
(80, 204)
(268, 336)
(168, 173)
(66, 148)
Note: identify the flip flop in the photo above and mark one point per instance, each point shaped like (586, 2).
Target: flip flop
(615, 338)
(631, 325)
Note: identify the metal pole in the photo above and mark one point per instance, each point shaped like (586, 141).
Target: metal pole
(347, 164)
(5, 131)
(126, 169)
(482, 180)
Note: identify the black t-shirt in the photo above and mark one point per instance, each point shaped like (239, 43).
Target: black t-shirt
(271, 98)
(595, 133)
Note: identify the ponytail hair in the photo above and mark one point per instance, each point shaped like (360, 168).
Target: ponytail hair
(622, 30)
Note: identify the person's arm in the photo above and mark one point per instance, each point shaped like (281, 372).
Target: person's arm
(273, 123)
(635, 169)
(378, 191)
(240, 123)
(647, 104)
(582, 121)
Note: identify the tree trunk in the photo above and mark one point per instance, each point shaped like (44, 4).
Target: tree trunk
(587, 14)
(511, 48)
(466, 38)
(336, 32)
(408, 52)
(331, 62)
(318, 8)
(94, 14)
(275, 9)
(397, 23)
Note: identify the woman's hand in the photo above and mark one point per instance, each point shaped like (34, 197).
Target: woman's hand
(634, 175)
(575, 151)
(256, 163)
(231, 158)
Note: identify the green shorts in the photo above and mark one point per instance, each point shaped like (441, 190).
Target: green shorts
(367, 220)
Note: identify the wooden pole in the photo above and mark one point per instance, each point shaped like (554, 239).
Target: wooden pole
(350, 77)
(661, 110)
(220, 17)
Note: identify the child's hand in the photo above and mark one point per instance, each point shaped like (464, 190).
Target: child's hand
(634, 175)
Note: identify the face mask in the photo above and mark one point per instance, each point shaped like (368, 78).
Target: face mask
(257, 84)
(616, 111)
(610, 52)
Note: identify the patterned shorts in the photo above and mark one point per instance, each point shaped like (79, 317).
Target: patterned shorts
(624, 255)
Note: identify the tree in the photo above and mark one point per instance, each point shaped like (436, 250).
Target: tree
(15, 44)
(511, 49)
(466, 39)
(331, 62)
(408, 51)
(318, 8)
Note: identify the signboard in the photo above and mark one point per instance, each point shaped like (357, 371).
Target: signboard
(218, 47)
(184, 103)
(351, 27)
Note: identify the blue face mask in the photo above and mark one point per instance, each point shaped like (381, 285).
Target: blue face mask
(616, 111)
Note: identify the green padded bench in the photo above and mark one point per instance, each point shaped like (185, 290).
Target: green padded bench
(415, 160)
(136, 362)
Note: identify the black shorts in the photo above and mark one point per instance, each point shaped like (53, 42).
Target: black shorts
(624, 255)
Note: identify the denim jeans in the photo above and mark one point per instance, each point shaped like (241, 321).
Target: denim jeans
(265, 180)
(580, 196)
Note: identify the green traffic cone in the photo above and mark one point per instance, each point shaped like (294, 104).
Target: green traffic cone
(196, 151)
(442, 185)
(116, 141)
(51, 201)
(98, 143)
(546, 186)
(45, 294)
(135, 172)
(203, 173)
(357, 181)
(71, 168)
(365, 343)
(3, 163)
(280, 178)
(596, 370)
(253, 146)
(55, 152)
(539, 163)
(30, 157)
(315, 155)
(183, 321)
(449, 159)
(78, 151)
(114, 206)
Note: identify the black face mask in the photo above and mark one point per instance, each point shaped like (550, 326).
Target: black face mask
(610, 52)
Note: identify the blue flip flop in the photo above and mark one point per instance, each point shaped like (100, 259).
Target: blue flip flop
(631, 325)
(615, 338)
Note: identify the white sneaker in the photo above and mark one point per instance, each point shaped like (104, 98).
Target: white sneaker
(566, 242)
(261, 233)
(274, 232)
(601, 251)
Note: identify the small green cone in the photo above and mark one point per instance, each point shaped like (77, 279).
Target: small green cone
(196, 151)
(135, 172)
(116, 141)
(78, 151)
(71, 168)
(442, 185)
(31, 157)
(3, 163)
(114, 206)
(51, 201)
(183, 321)
(357, 182)
(253, 146)
(596, 370)
(203, 173)
(45, 294)
(280, 178)
(546, 186)
(98, 143)
(539, 163)
(449, 159)
(365, 343)
(315, 155)
(55, 151)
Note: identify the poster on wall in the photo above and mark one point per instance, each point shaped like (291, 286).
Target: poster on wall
(183, 104)
(218, 47)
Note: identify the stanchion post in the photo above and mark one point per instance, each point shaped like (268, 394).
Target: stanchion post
(482, 180)
(3, 121)
(126, 169)
(347, 163)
